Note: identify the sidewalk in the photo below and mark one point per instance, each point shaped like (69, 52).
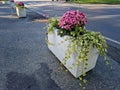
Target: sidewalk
(27, 64)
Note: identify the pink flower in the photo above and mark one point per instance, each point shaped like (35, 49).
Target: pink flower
(71, 19)
(11, 0)
(20, 4)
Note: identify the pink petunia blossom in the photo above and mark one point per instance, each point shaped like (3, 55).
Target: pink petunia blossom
(71, 19)
(11, 0)
(20, 3)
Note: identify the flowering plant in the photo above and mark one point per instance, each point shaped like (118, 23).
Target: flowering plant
(71, 19)
(11, 0)
(72, 24)
(19, 4)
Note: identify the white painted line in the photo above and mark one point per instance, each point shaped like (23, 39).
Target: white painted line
(116, 42)
(34, 10)
(104, 16)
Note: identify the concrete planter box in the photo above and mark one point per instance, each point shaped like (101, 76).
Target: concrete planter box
(59, 51)
(21, 12)
(5, 2)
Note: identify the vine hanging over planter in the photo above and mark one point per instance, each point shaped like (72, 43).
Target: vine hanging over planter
(72, 24)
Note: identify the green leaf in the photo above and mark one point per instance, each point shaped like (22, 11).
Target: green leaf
(84, 81)
(81, 78)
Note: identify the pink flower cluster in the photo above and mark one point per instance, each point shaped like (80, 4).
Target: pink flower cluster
(11, 0)
(71, 19)
(20, 4)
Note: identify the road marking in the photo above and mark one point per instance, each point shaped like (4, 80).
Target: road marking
(104, 16)
(34, 10)
(116, 42)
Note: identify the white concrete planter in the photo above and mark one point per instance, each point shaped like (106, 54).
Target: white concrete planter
(59, 51)
(5, 2)
(21, 12)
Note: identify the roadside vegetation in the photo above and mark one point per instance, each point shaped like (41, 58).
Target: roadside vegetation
(95, 1)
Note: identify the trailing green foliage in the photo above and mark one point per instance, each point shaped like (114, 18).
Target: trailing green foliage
(20, 6)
